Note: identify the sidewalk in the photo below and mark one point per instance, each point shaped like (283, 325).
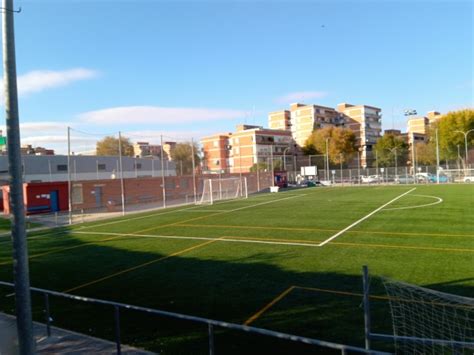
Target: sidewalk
(60, 342)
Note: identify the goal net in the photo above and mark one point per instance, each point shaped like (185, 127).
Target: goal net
(223, 189)
(430, 322)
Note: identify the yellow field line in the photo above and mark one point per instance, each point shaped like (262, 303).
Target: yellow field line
(269, 305)
(388, 233)
(275, 240)
(402, 247)
(139, 266)
(58, 250)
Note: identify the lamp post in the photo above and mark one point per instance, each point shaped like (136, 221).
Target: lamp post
(465, 143)
(327, 159)
(358, 165)
(409, 113)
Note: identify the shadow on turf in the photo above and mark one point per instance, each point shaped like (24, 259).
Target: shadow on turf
(230, 290)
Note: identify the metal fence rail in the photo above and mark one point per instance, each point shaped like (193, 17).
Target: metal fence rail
(211, 323)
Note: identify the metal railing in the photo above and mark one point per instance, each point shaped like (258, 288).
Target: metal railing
(211, 323)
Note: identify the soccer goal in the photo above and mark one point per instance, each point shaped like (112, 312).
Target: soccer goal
(424, 321)
(223, 189)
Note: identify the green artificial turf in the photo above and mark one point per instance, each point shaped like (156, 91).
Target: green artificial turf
(431, 246)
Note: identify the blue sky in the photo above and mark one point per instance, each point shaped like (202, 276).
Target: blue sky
(191, 68)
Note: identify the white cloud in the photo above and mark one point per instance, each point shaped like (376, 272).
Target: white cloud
(159, 115)
(301, 96)
(39, 80)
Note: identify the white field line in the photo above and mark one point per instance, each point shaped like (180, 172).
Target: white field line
(228, 239)
(202, 211)
(364, 218)
(439, 200)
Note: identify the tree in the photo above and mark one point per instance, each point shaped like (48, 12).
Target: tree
(389, 148)
(182, 156)
(425, 153)
(449, 139)
(341, 145)
(110, 146)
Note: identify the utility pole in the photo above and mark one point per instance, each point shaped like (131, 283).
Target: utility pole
(121, 174)
(18, 230)
(194, 170)
(437, 157)
(163, 172)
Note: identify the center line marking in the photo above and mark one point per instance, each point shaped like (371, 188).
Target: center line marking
(365, 217)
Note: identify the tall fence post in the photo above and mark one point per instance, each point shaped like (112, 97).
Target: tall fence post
(117, 329)
(365, 286)
(47, 315)
(210, 331)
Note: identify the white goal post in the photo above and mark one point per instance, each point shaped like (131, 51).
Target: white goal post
(223, 189)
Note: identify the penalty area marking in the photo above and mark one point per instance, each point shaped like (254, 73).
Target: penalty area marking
(438, 201)
(365, 217)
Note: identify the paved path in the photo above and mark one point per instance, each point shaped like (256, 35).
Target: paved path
(61, 341)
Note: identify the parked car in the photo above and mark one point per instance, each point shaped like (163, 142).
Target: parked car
(371, 179)
(468, 179)
(404, 179)
(428, 177)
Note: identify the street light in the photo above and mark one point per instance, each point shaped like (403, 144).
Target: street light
(327, 159)
(409, 113)
(465, 142)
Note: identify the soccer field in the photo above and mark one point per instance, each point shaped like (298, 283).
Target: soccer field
(289, 261)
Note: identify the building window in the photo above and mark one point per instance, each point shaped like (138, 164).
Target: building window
(101, 167)
(170, 184)
(138, 166)
(216, 144)
(61, 167)
(77, 195)
(216, 162)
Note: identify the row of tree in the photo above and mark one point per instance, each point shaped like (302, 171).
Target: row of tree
(342, 142)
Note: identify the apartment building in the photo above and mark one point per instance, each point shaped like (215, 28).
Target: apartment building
(248, 145)
(417, 127)
(145, 149)
(365, 122)
(433, 116)
(303, 119)
(216, 153)
(279, 120)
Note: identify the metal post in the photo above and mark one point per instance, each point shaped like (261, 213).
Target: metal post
(211, 193)
(240, 165)
(358, 166)
(271, 157)
(47, 315)
(413, 145)
(97, 168)
(18, 231)
(341, 170)
(163, 173)
(365, 286)
(437, 156)
(377, 166)
(121, 174)
(327, 159)
(117, 329)
(50, 171)
(294, 165)
(194, 170)
(258, 175)
(246, 188)
(210, 332)
(69, 185)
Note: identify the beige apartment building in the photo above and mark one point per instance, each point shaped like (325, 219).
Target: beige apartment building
(145, 149)
(303, 119)
(248, 145)
(365, 122)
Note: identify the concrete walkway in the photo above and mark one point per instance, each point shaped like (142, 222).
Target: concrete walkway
(60, 342)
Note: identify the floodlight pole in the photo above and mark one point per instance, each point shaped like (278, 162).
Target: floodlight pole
(121, 174)
(18, 231)
(194, 170)
(437, 156)
(163, 173)
(465, 144)
(271, 157)
(327, 159)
